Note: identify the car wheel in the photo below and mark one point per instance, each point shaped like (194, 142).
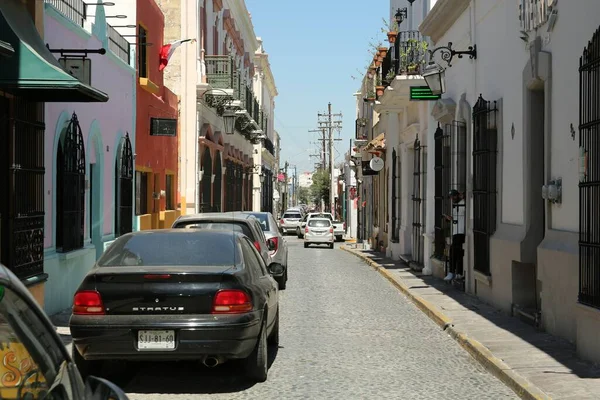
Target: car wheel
(298, 233)
(274, 337)
(306, 245)
(257, 362)
(86, 367)
(331, 246)
(282, 281)
(339, 238)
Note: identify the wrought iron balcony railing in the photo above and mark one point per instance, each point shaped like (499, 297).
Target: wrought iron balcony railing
(222, 74)
(407, 56)
(118, 44)
(75, 10)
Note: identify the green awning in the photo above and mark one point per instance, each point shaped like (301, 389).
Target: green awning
(6, 49)
(33, 72)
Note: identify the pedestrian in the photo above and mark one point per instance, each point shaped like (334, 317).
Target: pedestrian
(455, 270)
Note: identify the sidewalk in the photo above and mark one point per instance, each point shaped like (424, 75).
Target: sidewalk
(536, 365)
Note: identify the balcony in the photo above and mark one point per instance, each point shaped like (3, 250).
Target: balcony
(269, 146)
(118, 45)
(75, 10)
(406, 57)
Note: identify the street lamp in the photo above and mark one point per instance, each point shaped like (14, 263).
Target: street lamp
(229, 118)
(262, 177)
(434, 76)
(401, 15)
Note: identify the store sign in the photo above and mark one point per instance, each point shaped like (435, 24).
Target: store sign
(376, 164)
(534, 13)
(423, 93)
(366, 169)
(79, 67)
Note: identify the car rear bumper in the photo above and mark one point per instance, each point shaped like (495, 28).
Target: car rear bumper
(318, 239)
(289, 227)
(339, 233)
(196, 336)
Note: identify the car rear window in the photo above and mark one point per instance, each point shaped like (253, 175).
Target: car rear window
(292, 215)
(319, 223)
(171, 248)
(220, 225)
(263, 219)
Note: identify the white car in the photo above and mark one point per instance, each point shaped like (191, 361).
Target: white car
(319, 231)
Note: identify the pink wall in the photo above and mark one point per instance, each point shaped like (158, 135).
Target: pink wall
(111, 119)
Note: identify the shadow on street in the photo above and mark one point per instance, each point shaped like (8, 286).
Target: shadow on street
(183, 377)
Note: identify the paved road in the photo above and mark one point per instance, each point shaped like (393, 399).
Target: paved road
(346, 333)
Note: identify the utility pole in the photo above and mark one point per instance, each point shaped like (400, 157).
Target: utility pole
(327, 122)
(322, 130)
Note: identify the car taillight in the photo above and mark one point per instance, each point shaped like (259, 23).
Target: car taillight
(331, 230)
(88, 302)
(230, 301)
(281, 221)
(344, 225)
(257, 245)
(275, 242)
(305, 230)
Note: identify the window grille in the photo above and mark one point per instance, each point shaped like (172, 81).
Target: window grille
(485, 143)
(142, 52)
(22, 179)
(170, 193)
(70, 182)
(218, 184)
(589, 179)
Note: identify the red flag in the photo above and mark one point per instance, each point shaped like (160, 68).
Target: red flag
(167, 51)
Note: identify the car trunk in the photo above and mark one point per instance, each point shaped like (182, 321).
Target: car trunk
(160, 290)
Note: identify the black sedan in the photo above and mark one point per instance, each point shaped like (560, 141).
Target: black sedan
(177, 294)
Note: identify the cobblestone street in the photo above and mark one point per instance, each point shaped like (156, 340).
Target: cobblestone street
(346, 333)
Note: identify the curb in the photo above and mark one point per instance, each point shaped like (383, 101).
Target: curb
(521, 386)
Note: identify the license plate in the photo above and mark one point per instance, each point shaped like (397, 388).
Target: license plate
(156, 340)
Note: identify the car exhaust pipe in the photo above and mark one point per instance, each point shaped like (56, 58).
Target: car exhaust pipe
(211, 362)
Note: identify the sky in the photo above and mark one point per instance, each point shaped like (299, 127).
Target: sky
(315, 47)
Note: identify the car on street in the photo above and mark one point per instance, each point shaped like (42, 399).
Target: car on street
(319, 231)
(339, 227)
(278, 248)
(290, 220)
(236, 220)
(177, 294)
(36, 364)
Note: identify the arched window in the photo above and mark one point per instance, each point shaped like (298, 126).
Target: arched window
(70, 189)
(124, 188)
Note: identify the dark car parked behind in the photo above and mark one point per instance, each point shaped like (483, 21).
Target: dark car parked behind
(177, 294)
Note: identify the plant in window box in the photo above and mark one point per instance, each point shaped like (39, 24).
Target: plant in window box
(390, 76)
(412, 55)
(370, 96)
(362, 122)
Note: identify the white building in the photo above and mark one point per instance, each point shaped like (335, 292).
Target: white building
(222, 72)
(305, 179)
(518, 133)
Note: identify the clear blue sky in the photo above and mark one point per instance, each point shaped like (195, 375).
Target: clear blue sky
(315, 47)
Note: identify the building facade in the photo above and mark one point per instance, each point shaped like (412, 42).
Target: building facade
(156, 161)
(216, 79)
(30, 76)
(523, 135)
(89, 154)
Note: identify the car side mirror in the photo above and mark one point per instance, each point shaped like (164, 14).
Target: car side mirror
(275, 269)
(101, 389)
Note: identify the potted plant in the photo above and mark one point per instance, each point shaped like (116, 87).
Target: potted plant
(362, 122)
(379, 88)
(413, 56)
(391, 29)
(371, 96)
(390, 76)
(382, 51)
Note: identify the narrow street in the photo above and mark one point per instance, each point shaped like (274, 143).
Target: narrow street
(346, 333)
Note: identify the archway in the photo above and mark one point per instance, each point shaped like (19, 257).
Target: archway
(205, 195)
(218, 187)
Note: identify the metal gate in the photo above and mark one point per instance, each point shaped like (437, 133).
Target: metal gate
(124, 189)
(417, 236)
(218, 184)
(22, 179)
(70, 178)
(206, 182)
(394, 205)
(589, 179)
(442, 207)
(485, 143)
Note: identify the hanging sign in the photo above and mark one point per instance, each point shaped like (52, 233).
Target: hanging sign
(423, 93)
(376, 164)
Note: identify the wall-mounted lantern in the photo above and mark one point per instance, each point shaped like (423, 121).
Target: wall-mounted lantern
(434, 74)
(229, 118)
